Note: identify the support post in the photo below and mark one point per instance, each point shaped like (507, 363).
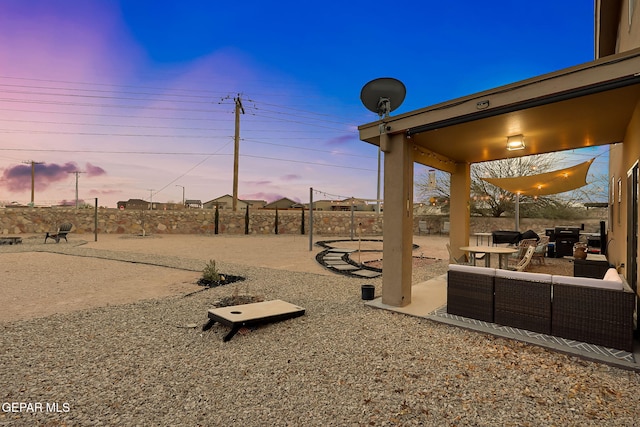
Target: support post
(459, 214)
(398, 220)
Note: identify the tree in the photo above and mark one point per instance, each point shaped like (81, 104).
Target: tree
(487, 199)
(595, 191)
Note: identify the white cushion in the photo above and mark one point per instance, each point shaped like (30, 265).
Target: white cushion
(523, 275)
(612, 275)
(587, 281)
(486, 271)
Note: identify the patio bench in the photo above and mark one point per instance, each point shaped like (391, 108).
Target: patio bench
(523, 300)
(470, 291)
(596, 311)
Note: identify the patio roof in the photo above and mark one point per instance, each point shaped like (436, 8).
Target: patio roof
(586, 105)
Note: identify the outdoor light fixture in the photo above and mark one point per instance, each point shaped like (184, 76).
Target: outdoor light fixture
(515, 142)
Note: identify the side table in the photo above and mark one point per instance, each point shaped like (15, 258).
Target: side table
(594, 266)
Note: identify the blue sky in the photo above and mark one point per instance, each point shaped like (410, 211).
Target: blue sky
(139, 95)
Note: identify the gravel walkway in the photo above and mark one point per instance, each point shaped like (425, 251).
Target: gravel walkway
(342, 364)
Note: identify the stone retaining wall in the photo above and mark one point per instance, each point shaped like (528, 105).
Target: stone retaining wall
(202, 221)
(190, 221)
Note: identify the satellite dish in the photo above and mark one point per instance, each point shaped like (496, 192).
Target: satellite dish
(383, 95)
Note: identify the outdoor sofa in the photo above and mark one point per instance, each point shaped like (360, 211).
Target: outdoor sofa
(596, 311)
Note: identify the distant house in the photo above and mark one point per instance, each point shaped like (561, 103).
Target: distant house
(283, 203)
(225, 203)
(193, 204)
(134, 204)
(343, 205)
(256, 204)
(143, 205)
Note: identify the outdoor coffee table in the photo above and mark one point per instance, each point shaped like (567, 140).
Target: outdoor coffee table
(10, 240)
(501, 251)
(238, 316)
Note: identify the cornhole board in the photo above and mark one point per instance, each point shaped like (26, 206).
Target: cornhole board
(257, 313)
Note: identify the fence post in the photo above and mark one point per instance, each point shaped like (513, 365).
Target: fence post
(216, 219)
(310, 218)
(246, 220)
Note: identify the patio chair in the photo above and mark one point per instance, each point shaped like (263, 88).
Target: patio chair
(61, 233)
(541, 249)
(526, 259)
(522, 250)
(423, 227)
(460, 260)
(445, 227)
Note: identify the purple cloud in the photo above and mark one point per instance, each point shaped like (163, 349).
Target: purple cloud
(290, 177)
(341, 140)
(18, 178)
(94, 170)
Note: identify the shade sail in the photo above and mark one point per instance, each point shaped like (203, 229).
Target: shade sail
(545, 183)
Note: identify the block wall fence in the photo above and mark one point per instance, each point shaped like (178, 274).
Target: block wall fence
(16, 221)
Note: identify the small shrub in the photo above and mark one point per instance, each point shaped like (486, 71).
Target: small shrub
(210, 272)
(211, 277)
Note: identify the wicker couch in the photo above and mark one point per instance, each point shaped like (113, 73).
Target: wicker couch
(597, 311)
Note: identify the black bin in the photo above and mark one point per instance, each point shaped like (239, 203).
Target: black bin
(368, 292)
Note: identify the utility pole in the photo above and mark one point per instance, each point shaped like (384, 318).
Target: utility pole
(239, 108)
(77, 172)
(33, 177)
(182, 193)
(150, 199)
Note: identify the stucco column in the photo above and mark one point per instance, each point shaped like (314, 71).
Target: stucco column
(459, 215)
(398, 221)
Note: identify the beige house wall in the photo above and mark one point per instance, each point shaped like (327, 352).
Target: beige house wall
(623, 157)
(628, 35)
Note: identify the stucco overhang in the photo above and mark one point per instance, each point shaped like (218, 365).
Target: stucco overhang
(586, 105)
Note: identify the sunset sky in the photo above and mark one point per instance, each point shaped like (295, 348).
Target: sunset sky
(138, 96)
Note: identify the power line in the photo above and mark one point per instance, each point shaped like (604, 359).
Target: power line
(75, 113)
(105, 125)
(161, 153)
(177, 153)
(128, 135)
(306, 148)
(308, 163)
(86, 104)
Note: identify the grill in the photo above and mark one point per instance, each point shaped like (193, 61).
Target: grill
(566, 237)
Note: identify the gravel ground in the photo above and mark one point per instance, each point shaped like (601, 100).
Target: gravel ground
(342, 364)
